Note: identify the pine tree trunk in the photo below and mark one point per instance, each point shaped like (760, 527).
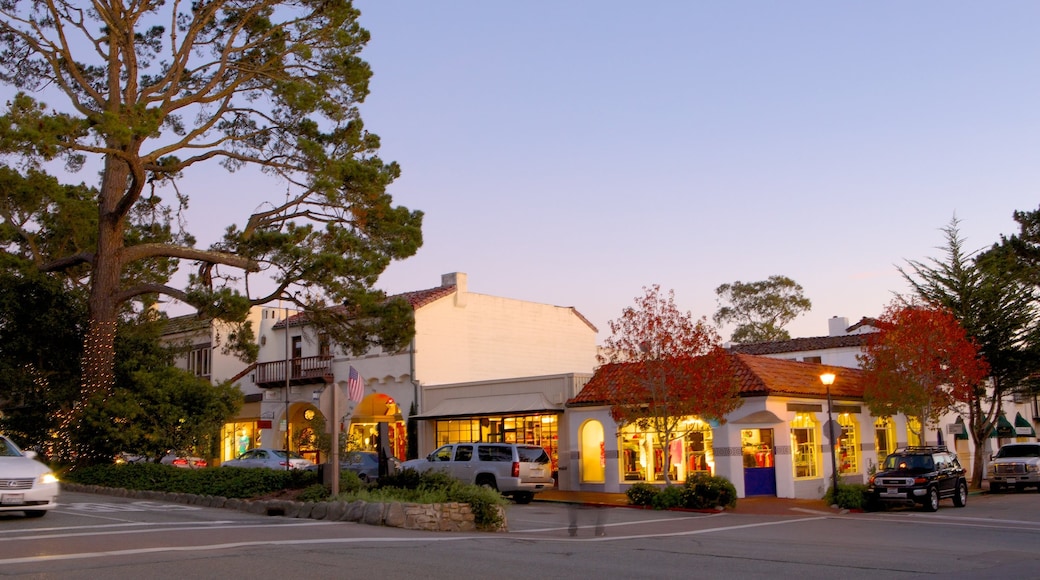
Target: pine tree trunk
(98, 362)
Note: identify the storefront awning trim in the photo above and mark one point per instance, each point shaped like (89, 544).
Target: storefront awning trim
(758, 418)
(520, 404)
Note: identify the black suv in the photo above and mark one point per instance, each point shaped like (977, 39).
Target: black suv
(919, 475)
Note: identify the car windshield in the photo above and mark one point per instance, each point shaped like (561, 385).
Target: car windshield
(1018, 451)
(909, 462)
(8, 448)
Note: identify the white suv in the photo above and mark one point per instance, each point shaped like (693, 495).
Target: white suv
(517, 471)
(1014, 465)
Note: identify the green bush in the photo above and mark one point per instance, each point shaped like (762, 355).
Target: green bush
(437, 486)
(314, 493)
(699, 492)
(642, 494)
(670, 496)
(704, 491)
(225, 482)
(850, 496)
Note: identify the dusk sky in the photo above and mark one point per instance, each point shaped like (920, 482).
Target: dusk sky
(572, 153)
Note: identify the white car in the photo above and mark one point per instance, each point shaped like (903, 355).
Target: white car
(26, 484)
(269, 458)
(515, 470)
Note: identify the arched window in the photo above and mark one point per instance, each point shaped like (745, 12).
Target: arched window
(804, 447)
(593, 453)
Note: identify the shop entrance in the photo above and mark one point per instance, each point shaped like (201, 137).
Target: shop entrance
(759, 472)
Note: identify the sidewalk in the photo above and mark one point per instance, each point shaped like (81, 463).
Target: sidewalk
(751, 505)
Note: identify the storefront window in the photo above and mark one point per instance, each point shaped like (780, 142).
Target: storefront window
(538, 430)
(848, 444)
(884, 437)
(804, 447)
(237, 438)
(757, 447)
(913, 431)
(643, 459)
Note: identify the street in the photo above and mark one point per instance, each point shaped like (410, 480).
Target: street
(95, 536)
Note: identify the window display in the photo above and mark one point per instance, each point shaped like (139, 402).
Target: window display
(804, 447)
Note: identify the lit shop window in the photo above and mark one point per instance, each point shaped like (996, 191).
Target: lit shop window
(643, 458)
(884, 437)
(848, 444)
(593, 453)
(913, 431)
(804, 446)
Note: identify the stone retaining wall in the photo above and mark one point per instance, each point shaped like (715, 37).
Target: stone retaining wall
(439, 517)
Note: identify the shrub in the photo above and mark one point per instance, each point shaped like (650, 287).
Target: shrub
(704, 491)
(850, 496)
(670, 496)
(225, 482)
(641, 494)
(316, 492)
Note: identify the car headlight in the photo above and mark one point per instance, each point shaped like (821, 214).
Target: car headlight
(48, 478)
(1032, 467)
(991, 469)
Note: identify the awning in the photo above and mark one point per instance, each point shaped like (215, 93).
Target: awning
(1022, 427)
(521, 404)
(758, 418)
(1004, 429)
(960, 431)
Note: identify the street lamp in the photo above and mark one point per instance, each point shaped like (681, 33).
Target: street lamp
(828, 379)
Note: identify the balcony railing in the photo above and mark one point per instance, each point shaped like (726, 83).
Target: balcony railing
(308, 370)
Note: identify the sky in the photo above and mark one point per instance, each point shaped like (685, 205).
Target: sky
(573, 152)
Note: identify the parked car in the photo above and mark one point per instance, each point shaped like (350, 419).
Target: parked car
(365, 464)
(1014, 465)
(185, 461)
(919, 475)
(517, 471)
(269, 458)
(26, 484)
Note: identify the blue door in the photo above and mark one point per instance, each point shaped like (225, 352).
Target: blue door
(759, 472)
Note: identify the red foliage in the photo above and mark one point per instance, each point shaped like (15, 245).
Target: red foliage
(921, 363)
(676, 367)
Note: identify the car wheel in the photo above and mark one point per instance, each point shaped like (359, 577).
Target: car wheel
(523, 497)
(931, 504)
(35, 513)
(995, 487)
(960, 499)
(487, 481)
(363, 477)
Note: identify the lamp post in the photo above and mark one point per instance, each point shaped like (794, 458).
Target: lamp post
(288, 463)
(828, 379)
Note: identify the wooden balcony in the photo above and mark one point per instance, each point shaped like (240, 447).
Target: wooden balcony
(311, 370)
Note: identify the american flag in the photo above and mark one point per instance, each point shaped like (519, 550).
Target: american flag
(355, 388)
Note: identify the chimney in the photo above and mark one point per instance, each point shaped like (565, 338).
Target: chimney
(838, 326)
(459, 280)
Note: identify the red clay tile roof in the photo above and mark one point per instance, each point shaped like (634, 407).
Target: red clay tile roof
(417, 298)
(758, 376)
(801, 344)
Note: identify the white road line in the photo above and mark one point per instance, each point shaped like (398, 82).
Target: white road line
(123, 525)
(281, 543)
(167, 529)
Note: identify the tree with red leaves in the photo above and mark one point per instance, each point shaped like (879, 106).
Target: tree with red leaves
(920, 363)
(675, 367)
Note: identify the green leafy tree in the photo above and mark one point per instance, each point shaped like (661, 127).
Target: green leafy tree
(41, 332)
(151, 90)
(761, 309)
(674, 368)
(154, 407)
(993, 300)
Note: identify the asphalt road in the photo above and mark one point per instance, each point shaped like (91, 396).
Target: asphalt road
(95, 536)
